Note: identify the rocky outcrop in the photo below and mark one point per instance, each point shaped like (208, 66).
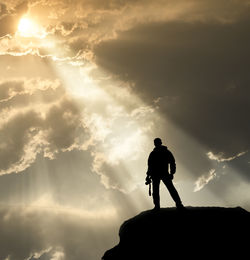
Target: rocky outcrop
(194, 233)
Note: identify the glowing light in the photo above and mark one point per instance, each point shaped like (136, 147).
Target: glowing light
(28, 28)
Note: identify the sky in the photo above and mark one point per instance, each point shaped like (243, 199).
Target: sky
(85, 87)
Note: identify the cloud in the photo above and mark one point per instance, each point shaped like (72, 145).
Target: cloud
(40, 118)
(221, 158)
(193, 62)
(21, 87)
(201, 66)
(27, 234)
(178, 57)
(48, 254)
(122, 151)
(204, 180)
(9, 18)
(80, 25)
(176, 69)
(33, 121)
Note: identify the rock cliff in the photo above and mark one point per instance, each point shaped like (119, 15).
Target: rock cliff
(194, 233)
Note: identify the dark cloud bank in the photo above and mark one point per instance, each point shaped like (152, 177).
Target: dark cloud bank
(197, 71)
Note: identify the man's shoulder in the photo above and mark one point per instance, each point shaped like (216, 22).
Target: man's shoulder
(161, 149)
(166, 152)
(164, 148)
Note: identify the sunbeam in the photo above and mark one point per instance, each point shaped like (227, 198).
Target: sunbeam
(85, 88)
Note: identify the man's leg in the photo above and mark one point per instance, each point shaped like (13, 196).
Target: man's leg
(173, 192)
(156, 192)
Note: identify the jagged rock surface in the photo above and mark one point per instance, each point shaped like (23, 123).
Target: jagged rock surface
(195, 233)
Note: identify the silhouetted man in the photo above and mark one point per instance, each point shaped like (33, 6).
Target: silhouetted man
(159, 161)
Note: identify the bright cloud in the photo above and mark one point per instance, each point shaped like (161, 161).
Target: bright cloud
(204, 180)
(220, 157)
(33, 121)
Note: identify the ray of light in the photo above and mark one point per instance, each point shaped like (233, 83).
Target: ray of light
(122, 126)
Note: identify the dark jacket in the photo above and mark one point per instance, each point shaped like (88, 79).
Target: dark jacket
(159, 161)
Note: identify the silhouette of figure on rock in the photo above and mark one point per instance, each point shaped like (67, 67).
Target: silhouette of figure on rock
(159, 162)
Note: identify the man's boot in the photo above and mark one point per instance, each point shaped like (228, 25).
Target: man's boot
(156, 208)
(179, 206)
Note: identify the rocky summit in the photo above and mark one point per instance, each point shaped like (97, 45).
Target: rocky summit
(190, 233)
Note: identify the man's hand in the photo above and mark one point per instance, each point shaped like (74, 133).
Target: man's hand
(171, 176)
(147, 180)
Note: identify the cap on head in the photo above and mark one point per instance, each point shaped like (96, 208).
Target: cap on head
(157, 141)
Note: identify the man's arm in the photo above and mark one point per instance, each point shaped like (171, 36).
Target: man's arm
(149, 171)
(172, 163)
(149, 164)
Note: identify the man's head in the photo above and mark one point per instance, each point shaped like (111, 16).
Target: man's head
(157, 142)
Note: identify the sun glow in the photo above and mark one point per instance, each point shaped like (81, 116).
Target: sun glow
(28, 28)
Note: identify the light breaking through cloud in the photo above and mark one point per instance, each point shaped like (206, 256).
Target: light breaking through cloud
(86, 86)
